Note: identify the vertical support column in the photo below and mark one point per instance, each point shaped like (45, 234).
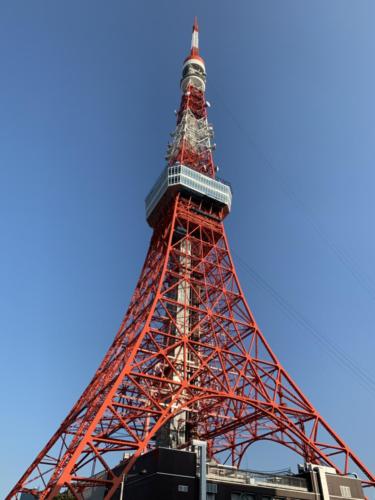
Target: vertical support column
(323, 483)
(178, 425)
(319, 476)
(202, 445)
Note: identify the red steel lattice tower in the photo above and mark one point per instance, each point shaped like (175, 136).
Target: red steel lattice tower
(189, 361)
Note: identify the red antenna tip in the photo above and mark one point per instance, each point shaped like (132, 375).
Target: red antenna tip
(195, 25)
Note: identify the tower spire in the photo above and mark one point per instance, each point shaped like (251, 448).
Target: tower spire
(195, 38)
(192, 143)
(194, 49)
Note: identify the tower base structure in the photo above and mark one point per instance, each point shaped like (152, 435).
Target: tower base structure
(190, 358)
(166, 473)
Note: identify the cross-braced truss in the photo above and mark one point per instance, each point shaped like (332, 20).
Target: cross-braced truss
(191, 143)
(199, 354)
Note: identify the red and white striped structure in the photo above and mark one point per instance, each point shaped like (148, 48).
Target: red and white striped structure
(191, 145)
(189, 360)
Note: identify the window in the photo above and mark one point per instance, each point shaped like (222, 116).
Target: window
(345, 491)
(211, 488)
(183, 488)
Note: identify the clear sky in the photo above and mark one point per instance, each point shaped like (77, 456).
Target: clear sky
(87, 93)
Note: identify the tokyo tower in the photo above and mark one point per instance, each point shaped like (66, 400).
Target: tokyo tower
(189, 361)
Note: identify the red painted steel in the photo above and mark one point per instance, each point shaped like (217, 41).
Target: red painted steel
(194, 101)
(198, 354)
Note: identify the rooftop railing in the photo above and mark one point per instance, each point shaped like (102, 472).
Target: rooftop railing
(222, 473)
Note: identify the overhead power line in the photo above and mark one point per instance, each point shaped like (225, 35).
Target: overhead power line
(332, 349)
(346, 260)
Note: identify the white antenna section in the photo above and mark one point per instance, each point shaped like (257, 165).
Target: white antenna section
(195, 40)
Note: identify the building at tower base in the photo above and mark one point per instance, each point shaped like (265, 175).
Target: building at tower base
(170, 474)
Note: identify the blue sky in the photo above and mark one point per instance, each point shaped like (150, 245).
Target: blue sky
(87, 95)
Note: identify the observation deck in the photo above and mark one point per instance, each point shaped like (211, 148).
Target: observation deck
(180, 178)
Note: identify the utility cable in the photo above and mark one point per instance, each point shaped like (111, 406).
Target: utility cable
(363, 280)
(335, 352)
